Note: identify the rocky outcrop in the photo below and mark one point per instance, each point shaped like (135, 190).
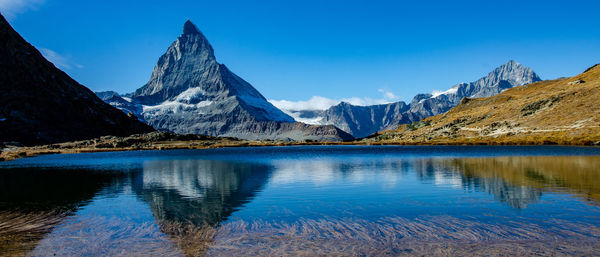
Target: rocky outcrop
(40, 104)
(189, 92)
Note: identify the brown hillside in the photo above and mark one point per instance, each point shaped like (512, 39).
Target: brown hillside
(562, 111)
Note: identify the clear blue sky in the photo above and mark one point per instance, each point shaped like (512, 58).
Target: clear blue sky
(298, 49)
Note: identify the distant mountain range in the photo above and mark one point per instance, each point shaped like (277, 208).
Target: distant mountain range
(190, 92)
(561, 111)
(40, 104)
(362, 121)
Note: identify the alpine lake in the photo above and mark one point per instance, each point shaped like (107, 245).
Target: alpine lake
(304, 200)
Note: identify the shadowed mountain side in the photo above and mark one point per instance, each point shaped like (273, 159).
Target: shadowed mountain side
(40, 104)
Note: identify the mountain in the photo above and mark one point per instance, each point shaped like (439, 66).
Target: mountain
(189, 92)
(361, 121)
(41, 104)
(561, 111)
(122, 103)
(509, 75)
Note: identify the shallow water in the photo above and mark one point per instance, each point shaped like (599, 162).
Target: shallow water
(308, 200)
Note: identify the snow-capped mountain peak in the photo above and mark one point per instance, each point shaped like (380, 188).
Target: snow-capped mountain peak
(190, 92)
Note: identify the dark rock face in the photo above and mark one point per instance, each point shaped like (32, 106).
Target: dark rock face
(40, 104)
(361, 121)
(189, 92)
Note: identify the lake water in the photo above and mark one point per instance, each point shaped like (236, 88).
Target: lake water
(307, 200)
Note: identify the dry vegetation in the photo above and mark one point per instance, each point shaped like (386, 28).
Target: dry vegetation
(149, 141)
(562, 111)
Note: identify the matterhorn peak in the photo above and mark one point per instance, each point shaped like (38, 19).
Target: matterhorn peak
(190, 29)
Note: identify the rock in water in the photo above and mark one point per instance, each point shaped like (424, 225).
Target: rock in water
(40, 104)
(189, 92)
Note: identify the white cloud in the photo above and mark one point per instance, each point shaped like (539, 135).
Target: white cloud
(314, 103)
(10, 8)
(387, 94)
(322, 103)
(61, 61)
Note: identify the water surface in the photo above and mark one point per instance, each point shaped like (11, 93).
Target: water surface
(308, 200)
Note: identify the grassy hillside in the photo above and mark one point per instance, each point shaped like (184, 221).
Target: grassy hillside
(562, 111)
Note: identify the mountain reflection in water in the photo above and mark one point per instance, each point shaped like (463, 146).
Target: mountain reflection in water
(365, 205)
(521, 180)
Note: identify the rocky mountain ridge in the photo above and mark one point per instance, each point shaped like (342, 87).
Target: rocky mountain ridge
(561, 111)
(362, 121)
(189, 92)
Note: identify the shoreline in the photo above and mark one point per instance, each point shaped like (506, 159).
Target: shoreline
(168, 141)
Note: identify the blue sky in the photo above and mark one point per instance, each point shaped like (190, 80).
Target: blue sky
(371, 51)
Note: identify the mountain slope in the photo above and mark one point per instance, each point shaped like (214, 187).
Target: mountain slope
(122, 103)
(510, 74)
(40, 104)
(190, 92)
(562, 111)
(361, 121)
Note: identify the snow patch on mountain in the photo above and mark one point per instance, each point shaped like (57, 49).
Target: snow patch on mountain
(174, 107)
(452, 90)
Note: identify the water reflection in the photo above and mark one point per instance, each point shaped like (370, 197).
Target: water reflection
(455, 172)
(529, 176)
(203, 204)
(198, 191)
(189, 198)
(33, 202)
